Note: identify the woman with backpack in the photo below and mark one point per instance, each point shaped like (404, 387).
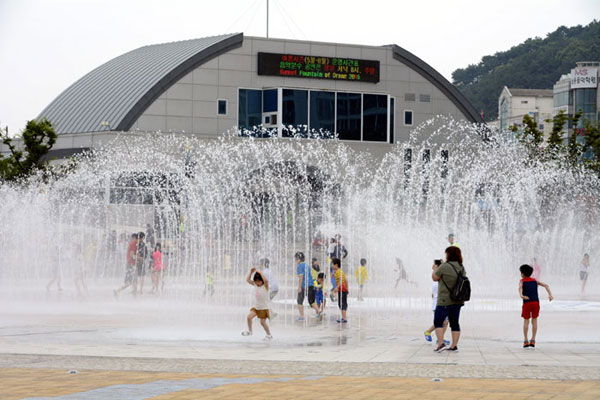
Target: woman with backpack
(453, 291)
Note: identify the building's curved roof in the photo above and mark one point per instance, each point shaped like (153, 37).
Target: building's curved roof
(120, 90)
(436, 79)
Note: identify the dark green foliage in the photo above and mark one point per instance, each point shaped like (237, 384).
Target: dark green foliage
(592, 143)
(555, 140)
(574, 148)
(37, 140)
(530, 135)
(570, 153)
(535, 64)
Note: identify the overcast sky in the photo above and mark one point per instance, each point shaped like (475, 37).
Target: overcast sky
(46, 45)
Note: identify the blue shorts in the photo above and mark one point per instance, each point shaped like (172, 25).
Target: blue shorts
(319, 297)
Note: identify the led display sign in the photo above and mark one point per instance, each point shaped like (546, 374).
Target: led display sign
(335, 68)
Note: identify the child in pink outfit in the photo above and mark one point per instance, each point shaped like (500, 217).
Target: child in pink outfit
(157, 271)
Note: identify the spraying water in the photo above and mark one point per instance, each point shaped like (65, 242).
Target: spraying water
(218, 206)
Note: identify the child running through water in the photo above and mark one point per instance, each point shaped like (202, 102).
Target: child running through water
(261, 302)
(528, 290)
(157, 270)
(361, 276)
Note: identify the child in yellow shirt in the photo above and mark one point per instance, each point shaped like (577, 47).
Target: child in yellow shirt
(341, 288)
(361, 276)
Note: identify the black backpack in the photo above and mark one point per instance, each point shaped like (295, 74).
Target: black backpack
(462, 289)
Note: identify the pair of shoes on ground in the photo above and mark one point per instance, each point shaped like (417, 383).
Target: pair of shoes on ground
(320, 316)
(428, 338)
(342, 320)
(444, 347)
(300, 319)
(248, 333)
(528, 343)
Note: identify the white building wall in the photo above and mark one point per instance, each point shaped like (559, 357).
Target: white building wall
(519, 106)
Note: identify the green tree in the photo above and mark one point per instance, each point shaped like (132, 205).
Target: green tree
(574, 148)
(534, 64)
(26, 159)
(573, 152)
(592, 144)
(530, 136)
(555, 140)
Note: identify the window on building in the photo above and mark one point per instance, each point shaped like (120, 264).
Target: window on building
(222, 107)
(585, 101)
(295, 112)
(444, 164)
(504, 115)
(408, 117)
(407, 166)
(375, 117)
(349, 107)
(424, 98)
(409, 97)
(562, 99)
(249, 109)
(425, 169)
(269, 100)
(322, 112)
(392, 110)
(524, 101)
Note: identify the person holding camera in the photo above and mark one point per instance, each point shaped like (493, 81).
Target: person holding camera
(434, 297)
(446, 307)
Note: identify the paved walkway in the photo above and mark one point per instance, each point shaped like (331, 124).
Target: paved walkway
(130, 352)
(17, 383)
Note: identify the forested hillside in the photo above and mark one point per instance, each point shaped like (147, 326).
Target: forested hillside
(535, 64)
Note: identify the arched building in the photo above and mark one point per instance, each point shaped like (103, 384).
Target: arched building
(370, 96)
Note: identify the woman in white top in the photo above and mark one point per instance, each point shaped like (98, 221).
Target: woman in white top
(583, 270)
(261, 302)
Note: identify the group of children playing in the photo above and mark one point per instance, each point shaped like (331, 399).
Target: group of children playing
(528, 291)
(136, 257)
(311, 283)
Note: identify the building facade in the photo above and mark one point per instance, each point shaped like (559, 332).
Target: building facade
(367, 96)
(578, 91)
(514, 104)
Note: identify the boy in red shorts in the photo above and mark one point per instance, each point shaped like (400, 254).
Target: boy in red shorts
(528, 290)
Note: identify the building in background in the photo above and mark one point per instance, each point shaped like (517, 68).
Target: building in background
(369, 96)
(578, 90)
(514, 104)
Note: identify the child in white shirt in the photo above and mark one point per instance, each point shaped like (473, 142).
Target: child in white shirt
(261, 302)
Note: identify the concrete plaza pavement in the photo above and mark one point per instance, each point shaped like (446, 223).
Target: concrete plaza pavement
(131, 351)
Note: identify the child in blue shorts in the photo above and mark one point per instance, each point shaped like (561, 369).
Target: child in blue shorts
(320, 295)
